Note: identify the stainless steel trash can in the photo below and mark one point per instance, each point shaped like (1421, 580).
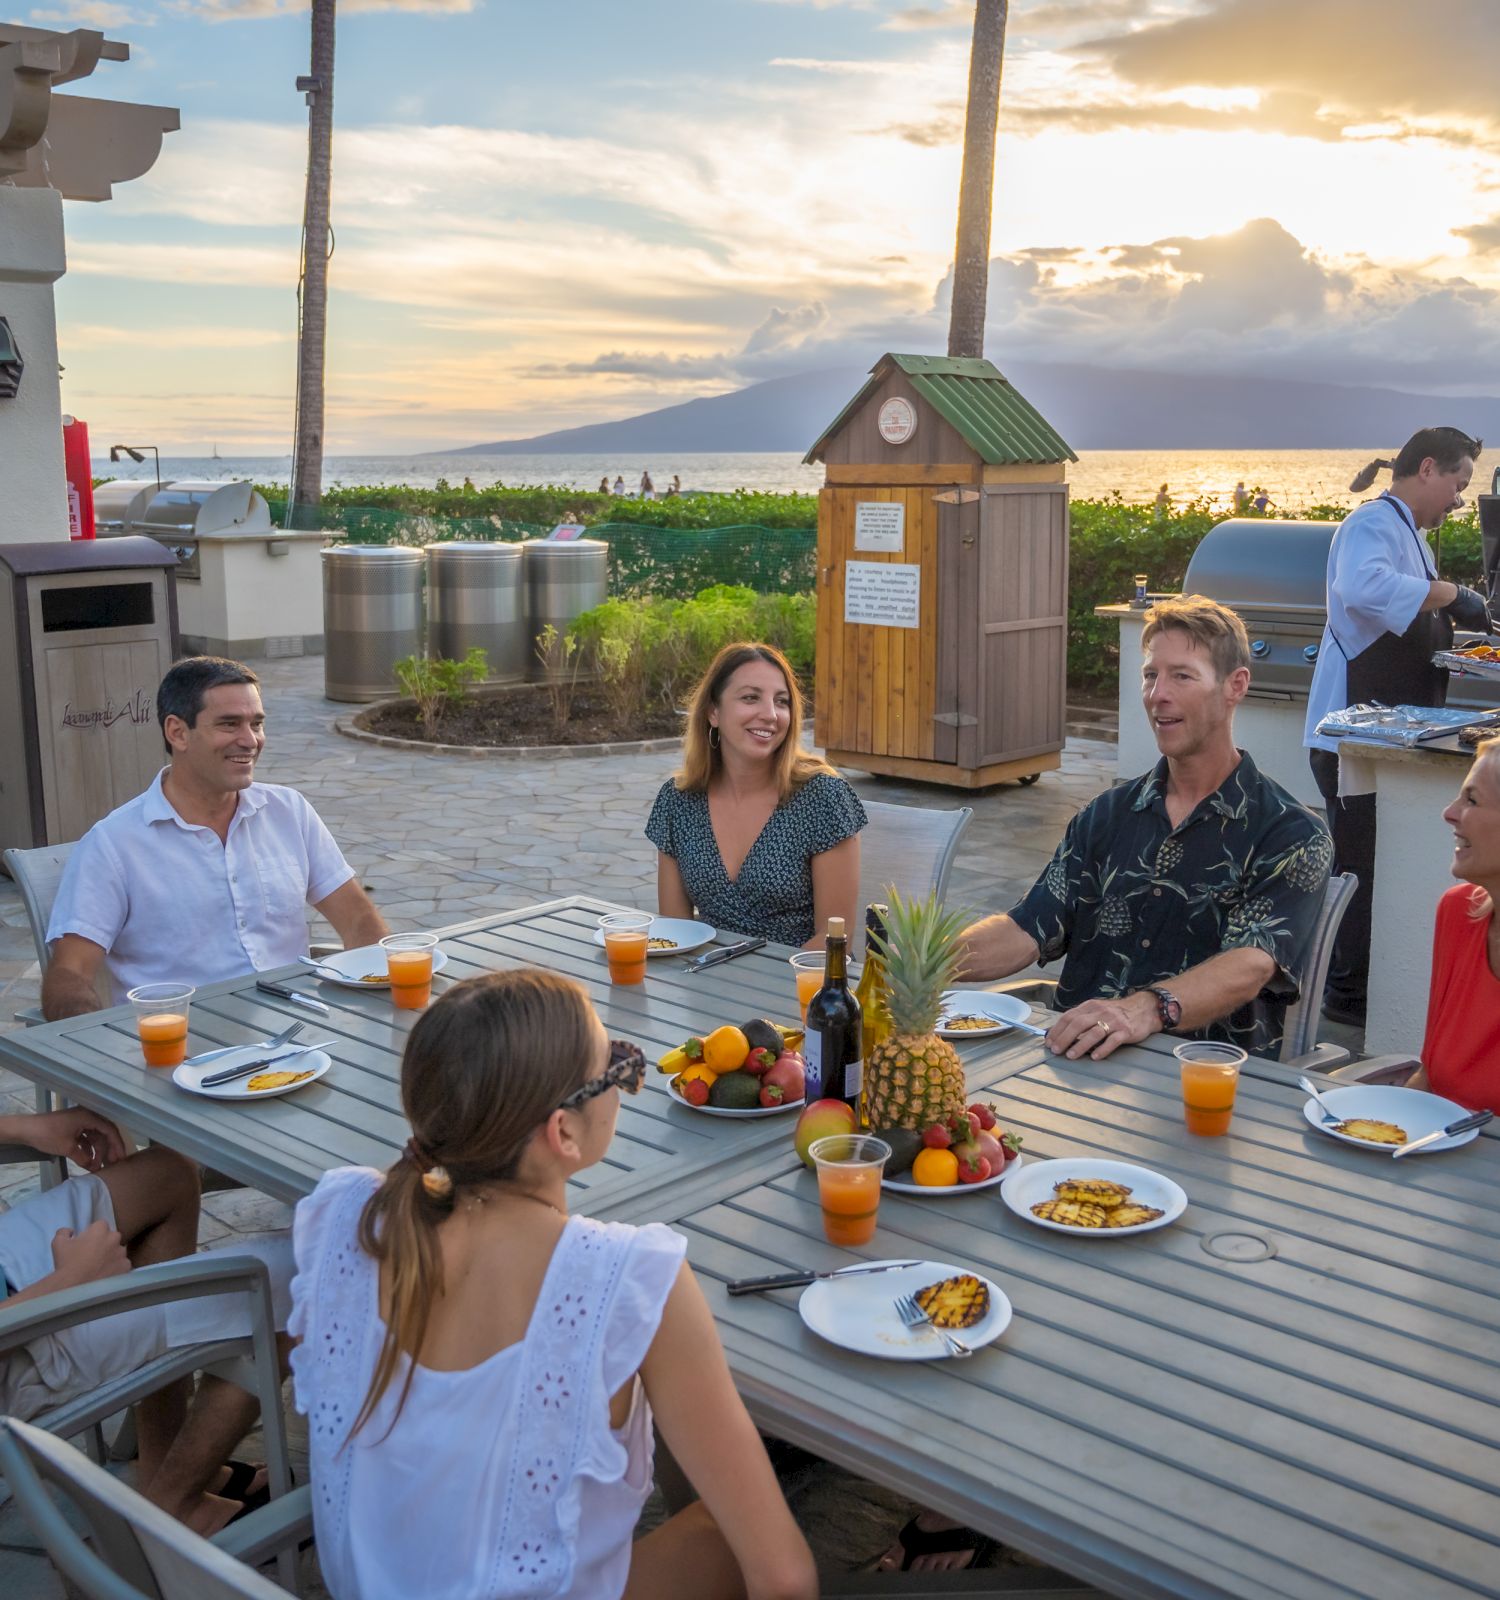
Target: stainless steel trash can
(88, 629)
(474, 597)
(372, 617)
(564, 578)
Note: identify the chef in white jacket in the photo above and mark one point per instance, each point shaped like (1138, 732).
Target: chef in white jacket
(1388, 611)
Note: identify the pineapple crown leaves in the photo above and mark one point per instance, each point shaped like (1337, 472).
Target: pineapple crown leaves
(921, 951)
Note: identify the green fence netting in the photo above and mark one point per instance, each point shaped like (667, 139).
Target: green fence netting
(672, 563)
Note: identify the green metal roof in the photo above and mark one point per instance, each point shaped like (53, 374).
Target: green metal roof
(995, 419)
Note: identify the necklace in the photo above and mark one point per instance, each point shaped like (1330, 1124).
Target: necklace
(480, 1198)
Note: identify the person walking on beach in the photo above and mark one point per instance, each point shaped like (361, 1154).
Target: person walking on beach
(619, 484)
(604, 484)
(1163, 503)
(648, 489)
(1262, 501)
(1241, 497)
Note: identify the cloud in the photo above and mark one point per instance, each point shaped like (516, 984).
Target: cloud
(840, 69)
(1367, 61)
(1483, 238)
(100, 14)
(787, 330)
(944, 127)
(914, 19)
(253, 10)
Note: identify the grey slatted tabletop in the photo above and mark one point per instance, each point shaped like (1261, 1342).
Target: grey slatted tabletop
(1157, 1419)
(353, 1115)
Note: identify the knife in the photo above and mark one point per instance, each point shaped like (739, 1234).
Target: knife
(1476, 1120)
(795, 1280)
(728, 953)
(216, 1078)
(282, 992)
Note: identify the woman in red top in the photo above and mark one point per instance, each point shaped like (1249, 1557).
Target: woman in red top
(1461, 1050)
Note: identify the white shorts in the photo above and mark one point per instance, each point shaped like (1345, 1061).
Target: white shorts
(58, 1367)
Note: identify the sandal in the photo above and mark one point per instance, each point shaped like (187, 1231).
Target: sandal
(919, 1541)
(237, 1485)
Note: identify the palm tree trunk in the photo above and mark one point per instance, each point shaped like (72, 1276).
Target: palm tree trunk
(307, 475)
(976, 193)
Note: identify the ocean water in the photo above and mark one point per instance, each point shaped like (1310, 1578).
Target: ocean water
(1294, 479)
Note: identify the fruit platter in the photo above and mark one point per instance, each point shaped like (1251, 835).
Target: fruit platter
(750, 1070)
(967, 1151)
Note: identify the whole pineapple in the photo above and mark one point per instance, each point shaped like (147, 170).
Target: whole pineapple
(913, 1078)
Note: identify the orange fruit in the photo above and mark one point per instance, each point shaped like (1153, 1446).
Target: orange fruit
(725, 1050)
(692, 1073)
(935, 1169)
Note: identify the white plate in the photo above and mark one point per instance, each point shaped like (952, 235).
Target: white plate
(1413, 1110)
(1006, 1009)
(186, 1077)
(1146, 1187)
(689, 935)
(937, 1191)
(346, 967)
(859, 1313)
(725, 1111)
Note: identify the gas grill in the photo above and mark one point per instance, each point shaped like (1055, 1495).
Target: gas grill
(1274, 574)
(180, 513)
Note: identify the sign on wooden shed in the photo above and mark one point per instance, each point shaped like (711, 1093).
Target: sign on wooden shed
(942, 577)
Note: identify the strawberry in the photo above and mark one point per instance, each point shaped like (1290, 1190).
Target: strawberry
(985, 1114)
(759, 1061)
(973, 1164)
(695, 1092)
(772, 1094)
(937, 1137)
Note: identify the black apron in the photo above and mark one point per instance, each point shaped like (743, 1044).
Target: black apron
(1397, 669)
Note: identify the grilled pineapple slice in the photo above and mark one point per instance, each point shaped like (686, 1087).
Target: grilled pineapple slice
(1096, 1191)
(955, 1302)
(1373, 1131)
(1072, 1213)
(1131, 1216)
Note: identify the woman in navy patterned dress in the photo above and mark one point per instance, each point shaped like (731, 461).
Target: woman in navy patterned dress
(755, 835)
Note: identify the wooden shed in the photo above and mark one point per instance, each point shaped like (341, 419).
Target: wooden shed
(942, 577)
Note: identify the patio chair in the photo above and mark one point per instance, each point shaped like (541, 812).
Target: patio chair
(134, 1550)
(1299, 1047)
(910, 848)
(248, 1360)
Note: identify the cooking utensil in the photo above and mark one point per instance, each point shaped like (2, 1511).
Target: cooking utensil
(796, 1280)
(915, 1317)
(1476, 1120)
(1306, 1083)
(727, 953)
(251, 1067)
(205, 1056)
(283, 992)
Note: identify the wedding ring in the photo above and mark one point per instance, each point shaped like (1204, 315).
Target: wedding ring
(1103, 1024)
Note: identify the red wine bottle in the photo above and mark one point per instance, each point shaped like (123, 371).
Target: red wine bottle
(833, 1045)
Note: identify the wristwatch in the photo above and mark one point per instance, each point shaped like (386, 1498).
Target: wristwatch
(1168, 1007)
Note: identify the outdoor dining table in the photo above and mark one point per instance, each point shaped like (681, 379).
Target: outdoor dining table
(1291, 1390)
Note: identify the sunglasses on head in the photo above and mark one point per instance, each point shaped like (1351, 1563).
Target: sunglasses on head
(626, 1070)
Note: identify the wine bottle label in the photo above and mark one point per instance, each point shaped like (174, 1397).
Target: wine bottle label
(812, 1058)
(854, 1079)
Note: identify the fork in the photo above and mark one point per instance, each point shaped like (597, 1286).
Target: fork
(287, 1033)
(915, 1317)
(1304, 1082)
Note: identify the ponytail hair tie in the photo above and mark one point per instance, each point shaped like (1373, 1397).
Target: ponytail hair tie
(435, 1180)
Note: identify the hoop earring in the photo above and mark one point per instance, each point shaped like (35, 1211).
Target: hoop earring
(713, 737)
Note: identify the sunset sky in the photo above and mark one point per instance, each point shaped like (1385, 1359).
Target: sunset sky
(551, 212)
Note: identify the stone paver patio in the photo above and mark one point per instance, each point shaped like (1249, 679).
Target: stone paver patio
(438, 839)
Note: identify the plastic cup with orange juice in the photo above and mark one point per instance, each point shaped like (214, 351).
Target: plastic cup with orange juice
(625, 935)
(1210, 1075)
(807, 967)
(161, 1019)
(408, 959)
(850, 1167)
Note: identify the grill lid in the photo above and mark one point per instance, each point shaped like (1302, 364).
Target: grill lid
(1263, 567)
(188, 509)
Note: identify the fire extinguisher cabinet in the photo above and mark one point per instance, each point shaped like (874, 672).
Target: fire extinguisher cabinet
(942, 581)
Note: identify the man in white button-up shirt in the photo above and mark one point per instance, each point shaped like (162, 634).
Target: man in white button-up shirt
(206, 875)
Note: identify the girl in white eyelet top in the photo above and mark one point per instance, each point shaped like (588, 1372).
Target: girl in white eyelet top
(511, 1458)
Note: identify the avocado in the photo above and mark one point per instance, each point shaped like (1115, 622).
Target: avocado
(763, 1035)
(734, 1091)
(906, 1145)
